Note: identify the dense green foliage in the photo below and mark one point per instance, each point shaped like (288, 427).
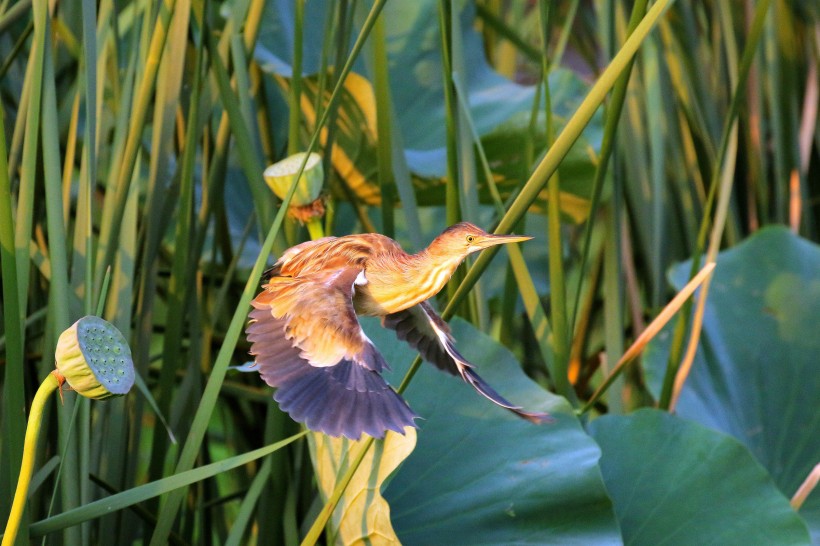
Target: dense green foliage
(626, 137)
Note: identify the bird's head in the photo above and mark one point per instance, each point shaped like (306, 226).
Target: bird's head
(465, 238)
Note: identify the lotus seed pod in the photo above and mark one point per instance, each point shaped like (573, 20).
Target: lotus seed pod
(93, 356)
(280, 175)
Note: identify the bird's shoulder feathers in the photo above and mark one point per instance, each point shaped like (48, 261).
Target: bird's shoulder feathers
(333, 254)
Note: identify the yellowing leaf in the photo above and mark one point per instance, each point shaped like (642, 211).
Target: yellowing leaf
(353, 156)
(355, 141)
(362, 516)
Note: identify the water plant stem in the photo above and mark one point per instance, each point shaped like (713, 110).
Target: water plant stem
(51, 383)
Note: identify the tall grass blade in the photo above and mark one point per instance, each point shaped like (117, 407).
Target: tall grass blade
(74, 463)
(153, 489)
(561, 332)
(110, 230)
(14, 417)
(613, 116)
(384, 150)
(168, 92)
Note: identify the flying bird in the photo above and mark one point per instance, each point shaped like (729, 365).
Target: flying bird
(307, 341)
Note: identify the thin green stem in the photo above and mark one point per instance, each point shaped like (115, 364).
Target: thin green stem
(35, 418)
(315, 228)
(295, 96)
(318, 526)
(13, 325)
(676, 349)
(453, 210)
(561, 333)
(384, 149)
(137, 122)
(613, 116)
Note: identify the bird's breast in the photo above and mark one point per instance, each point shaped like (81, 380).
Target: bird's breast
(374, 301)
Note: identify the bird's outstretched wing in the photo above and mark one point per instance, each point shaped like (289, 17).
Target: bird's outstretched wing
(308, 343)
(425, 331)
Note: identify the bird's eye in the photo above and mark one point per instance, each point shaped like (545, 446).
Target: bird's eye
(470, 238)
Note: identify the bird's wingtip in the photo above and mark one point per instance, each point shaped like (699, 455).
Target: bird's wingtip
(535, 417)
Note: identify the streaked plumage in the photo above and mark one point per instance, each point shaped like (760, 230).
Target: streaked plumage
(307, 341)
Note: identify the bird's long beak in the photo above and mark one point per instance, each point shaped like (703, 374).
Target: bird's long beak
(492, 240)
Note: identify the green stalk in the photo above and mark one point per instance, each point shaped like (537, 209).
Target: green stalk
(384, 149)
(561, 332)
(12, 14)
(613, 115)
(240, 524)
(451, 188)
(17, 47)
(295, 96)
(179, 289)
(394, 176)
(613, 302)
(60, 289)
(465, 158)
(14, 327)
(682, 323)
(111, 229)
(494, 22)
(781, 132)
(35, 418)
(30, 127)
(321, 520)
(315, 228)
(250, 161)
(89, 8)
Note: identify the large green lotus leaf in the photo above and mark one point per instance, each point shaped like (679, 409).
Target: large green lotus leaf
(676, 482)
(756, 374)
(481, 475)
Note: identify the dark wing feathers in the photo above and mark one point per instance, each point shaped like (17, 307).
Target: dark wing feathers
(426, 332)
(307, 342)
(343, 400)
(415, 326)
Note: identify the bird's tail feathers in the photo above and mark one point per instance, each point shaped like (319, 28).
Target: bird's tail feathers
(482, 387)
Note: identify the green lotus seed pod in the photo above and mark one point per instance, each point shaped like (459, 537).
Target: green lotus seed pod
(280, 175)
(95, 359)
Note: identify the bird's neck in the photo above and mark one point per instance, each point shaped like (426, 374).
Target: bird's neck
(432, 271)
(413, 278)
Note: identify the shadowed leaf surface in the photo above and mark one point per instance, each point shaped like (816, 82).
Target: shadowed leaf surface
(675, 482)
(756, 375)
(480, 475)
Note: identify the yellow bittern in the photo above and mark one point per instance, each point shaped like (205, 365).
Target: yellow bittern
(308, 343)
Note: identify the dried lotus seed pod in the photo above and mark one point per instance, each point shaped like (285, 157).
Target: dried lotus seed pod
(93, 356)
(280, 175)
